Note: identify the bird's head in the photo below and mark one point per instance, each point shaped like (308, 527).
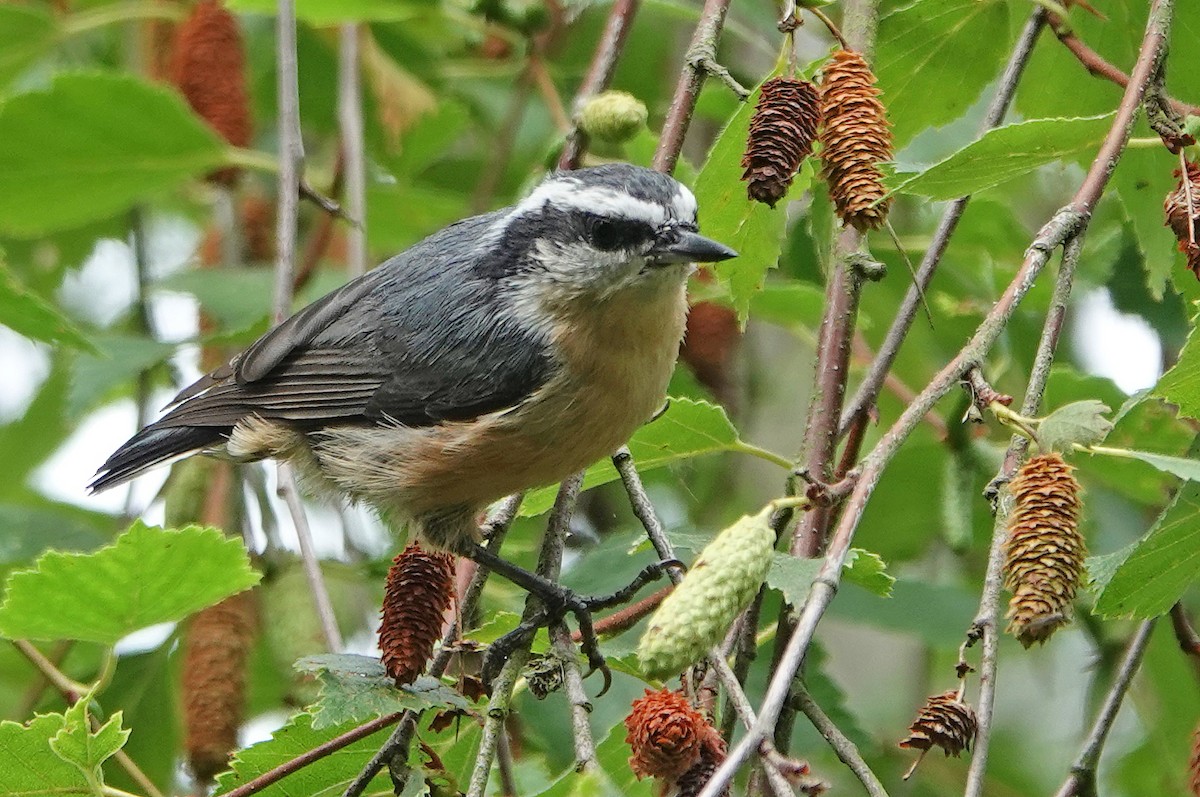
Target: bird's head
(598, 231)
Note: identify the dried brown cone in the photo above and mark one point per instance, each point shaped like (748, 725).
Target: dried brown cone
(1044, 551)
(944, 721)
(668, 736)
(1182, 209)
(855, 139)
(216, 650)
(782, 131)
(420, 586)
(208, 64)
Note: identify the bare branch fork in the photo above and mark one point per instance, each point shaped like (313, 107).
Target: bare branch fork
(1065, 224)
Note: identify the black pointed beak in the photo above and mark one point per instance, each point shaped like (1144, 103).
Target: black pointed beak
(690, 247)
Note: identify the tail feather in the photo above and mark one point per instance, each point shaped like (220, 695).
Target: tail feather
(153, 446)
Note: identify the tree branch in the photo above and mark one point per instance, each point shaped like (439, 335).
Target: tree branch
(317, 753)
(1082, 780)
(291, 167)
(699, 61)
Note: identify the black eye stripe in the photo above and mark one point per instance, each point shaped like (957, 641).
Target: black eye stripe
(605, 232)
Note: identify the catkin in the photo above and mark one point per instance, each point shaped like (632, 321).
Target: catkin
(208, 66)
(216, 652)
(855, 139)
(782, 131)
(1044, 552)
(944, 721)
(420, 586)
(667, 736)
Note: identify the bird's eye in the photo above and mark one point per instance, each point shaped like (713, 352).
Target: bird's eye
(606, 234)
(609, 234)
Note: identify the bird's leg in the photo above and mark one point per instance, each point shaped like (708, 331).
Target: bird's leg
(557, 600)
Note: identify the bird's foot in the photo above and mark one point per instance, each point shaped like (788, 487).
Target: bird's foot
(557, 602)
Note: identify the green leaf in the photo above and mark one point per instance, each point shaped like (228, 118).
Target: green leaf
(1181, 385)
(92, 145)
(28, 314)
(26, 33)
(1182, 467)
(935, 57)
(729, 216)
(76, 742)
(30, 767)
(793, 575)
(868, 570)
(148, 576)
(1080, 422)
(1161, 567)
(326, 777)
(357, 688)
(1005, 153)
(687, 429)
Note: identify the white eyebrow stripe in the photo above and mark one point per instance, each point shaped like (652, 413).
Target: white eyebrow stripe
(596, 199)
(685, 204)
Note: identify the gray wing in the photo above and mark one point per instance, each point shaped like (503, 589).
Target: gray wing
(419, 340)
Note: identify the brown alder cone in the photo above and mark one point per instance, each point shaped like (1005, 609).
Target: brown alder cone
(855, 139)
(668, 736)
(782, 131)
(208, 65)
(1044, 551)
(1185, 225)
(216, 651)
(944, 721)
(420, 587)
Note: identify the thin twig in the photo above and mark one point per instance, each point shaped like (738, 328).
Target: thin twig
(350, 129)
(986, 624)
(549, 567)
(308, 555)
(1066, 223)
(600, 73)
(846, 750)
(316, 754)
(581, 707)
(291, 166)
(1095, 63)
(868, 390)
(1082, 780)
(1186, 636)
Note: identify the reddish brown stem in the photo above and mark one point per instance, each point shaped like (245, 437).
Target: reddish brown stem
(1095, 63)
(320, 751)
(621, 621)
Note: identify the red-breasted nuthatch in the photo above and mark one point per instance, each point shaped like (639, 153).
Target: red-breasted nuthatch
(502, 353)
